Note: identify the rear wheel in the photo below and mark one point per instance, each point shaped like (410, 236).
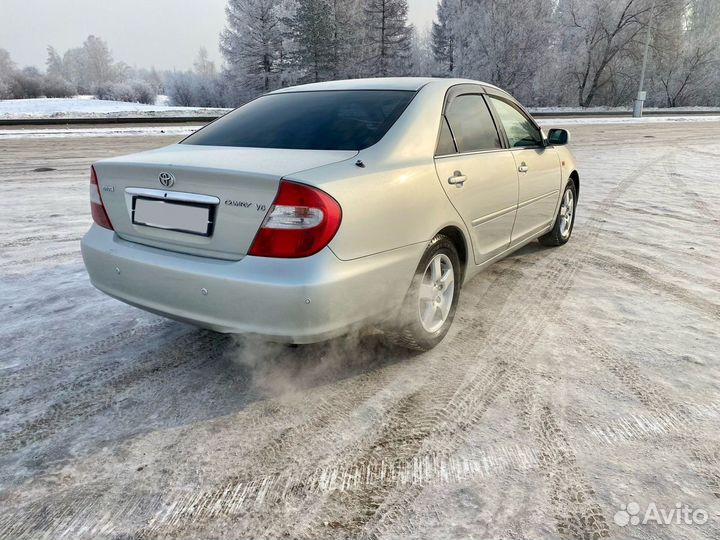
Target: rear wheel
(562, 229)
(429, 307)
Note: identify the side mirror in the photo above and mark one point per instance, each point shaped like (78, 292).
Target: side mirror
(558, 137)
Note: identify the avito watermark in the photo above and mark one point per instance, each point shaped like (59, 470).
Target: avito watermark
(632, 514)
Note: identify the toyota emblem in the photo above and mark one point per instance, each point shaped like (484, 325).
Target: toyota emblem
(166, 179)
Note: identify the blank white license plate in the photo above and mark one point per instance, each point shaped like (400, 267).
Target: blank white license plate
(191, 218)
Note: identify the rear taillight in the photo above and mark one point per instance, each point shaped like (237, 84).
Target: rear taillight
(302, 220)
(97, 208)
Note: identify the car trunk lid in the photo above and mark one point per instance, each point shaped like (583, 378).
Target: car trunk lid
(201, 200)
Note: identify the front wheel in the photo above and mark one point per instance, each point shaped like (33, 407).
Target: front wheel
(429, 307)
(562, 229)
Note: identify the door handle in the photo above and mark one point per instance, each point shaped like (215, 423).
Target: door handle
(457, 179)
(523, 168)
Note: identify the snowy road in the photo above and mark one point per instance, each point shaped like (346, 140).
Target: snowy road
(574, 381)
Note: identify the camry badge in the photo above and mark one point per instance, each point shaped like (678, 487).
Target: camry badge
(166, 179)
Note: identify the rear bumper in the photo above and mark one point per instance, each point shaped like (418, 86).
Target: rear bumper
(294, 300)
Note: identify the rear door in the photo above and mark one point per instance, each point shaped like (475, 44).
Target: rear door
(477, 174)
(538, 169)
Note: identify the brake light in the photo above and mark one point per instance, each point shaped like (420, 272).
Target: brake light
(97, 208)
(301, 221)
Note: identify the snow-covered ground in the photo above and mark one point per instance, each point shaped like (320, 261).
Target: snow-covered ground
(574, 381)
(88, 107)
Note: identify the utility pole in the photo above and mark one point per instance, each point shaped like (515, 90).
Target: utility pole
(640, 100)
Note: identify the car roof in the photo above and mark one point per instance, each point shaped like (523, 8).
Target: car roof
(381, 83)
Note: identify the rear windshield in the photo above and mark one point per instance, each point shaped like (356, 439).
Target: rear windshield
(324, 120)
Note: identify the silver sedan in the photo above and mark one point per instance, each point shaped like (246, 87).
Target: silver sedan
(321, 208)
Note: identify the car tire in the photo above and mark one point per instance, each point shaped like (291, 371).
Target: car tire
(565, 220)
(431, 301)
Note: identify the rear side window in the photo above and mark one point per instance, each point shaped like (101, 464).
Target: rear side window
(324, 120)
(519, 129)
(446, 145)
(472, 125)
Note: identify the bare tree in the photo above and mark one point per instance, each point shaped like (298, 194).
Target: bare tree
(603, 30)
(686, 48)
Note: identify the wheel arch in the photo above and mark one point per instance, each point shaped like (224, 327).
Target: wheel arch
(457, 237)
(575, 177)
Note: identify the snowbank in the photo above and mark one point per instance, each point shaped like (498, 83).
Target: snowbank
(89, 107)
(625, 120)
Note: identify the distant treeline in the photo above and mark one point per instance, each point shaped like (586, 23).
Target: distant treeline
(547, 53)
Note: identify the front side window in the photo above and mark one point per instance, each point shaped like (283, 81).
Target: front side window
(520, 130)
(471, 124)
(320, 120)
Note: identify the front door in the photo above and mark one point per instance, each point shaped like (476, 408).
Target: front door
(538, 169)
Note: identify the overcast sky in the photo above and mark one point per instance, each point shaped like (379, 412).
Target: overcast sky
(143, 33)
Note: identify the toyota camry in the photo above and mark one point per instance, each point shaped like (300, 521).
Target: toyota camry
(320, 208)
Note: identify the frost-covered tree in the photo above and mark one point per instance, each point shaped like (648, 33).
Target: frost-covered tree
(99, 65)
(388, 37)
(55, 85)
(509, 41)
(443, 37)
(252, 45)
(312, 28)
(602, 32)
(7, 71)
(423, 59)
(53, 64)
(203, 66)
(347, 38)
(91, 65)
(188, 89)
(685, 47)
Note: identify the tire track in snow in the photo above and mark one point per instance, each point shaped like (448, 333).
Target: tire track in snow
(649, 263)
(644, 279)
(37, 368)
(470, 403)
(371, 438)
(639, 426)
(97, 393)
(550, 286)
(674, 417)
